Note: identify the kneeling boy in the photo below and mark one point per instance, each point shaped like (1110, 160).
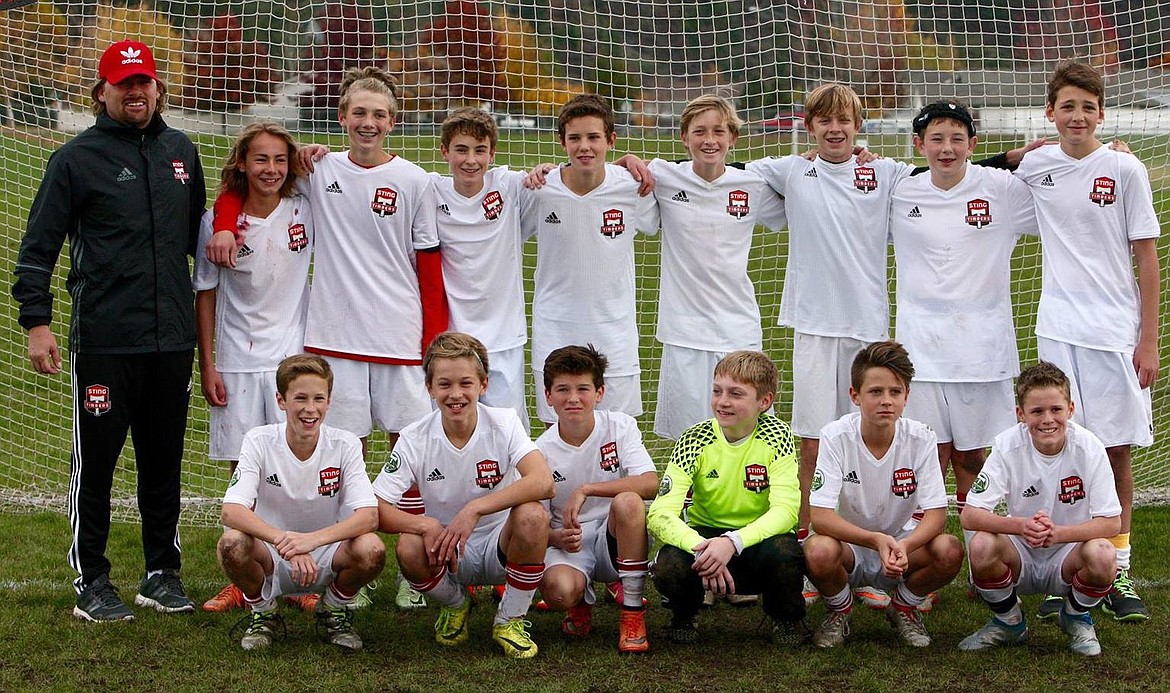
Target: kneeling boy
(739, 470)
(603, 474)
(874, 470)
(300, 511)
(1062, 508)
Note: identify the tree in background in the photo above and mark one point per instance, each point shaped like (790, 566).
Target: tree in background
(33, 44)
(224, 71)
(343, 37)
(469, 51)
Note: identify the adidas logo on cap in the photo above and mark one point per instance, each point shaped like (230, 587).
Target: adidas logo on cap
(435, 475)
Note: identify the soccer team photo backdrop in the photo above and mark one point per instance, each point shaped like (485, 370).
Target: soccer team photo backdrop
(228, 63)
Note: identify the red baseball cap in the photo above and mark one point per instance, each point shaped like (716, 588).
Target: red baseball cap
(126, 59)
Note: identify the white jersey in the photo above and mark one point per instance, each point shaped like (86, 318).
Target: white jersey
(260, 303)
(706, 299)
(295, 495)
(878, 495)
(483, 258)
(1073, 486)
(1089, 210)
(449, 478)
(835, 277)
(585, 266)
(613, 451)
(953, 250)
(365, 302)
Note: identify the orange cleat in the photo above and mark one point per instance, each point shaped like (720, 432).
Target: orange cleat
(304, 602)
(632, 632)
(578, 620)
(229, 598)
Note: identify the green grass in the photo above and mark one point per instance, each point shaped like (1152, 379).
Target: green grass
(43, 647)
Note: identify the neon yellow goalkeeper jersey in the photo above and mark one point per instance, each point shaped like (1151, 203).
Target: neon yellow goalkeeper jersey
(751, 487)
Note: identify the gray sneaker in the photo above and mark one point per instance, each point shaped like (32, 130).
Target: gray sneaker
(1082, 637)
(99, 602)
(909, 626)
(833, 631)
(164, 592)
(994, 634)
(261, 629)
(338, 627)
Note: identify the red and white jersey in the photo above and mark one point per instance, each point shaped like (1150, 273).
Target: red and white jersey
(483, 258)
(1073, 486)
(295, 495)
(1089, 210)
(953, 251)
(448, 477)
(585, 266)
(706, 299)
(260, 303)
(878, 495)
(365, 300)
(835, 279)
(613, 451)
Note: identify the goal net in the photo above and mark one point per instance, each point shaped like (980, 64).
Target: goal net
(227, 63)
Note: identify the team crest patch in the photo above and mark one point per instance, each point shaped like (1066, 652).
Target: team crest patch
(609, 457)
(97, 399)
(493, 205)
(1072, 489)
(903, 484)
(612, 224)
(298, 238)
(978, 213)
(737, 204)
(818, 480)
(392, 464)
(180, 169)
(487, 474)
(665, 485)
(755, 478)
(864, 179)
(980, 483)
(1104, 191)
(235, 478)
(330, 482)
(385, 202)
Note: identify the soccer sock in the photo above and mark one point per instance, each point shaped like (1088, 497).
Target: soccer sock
(442, 587)
(904, 597)
(521, 582)
(1081, 597)
(1000, 595)
(633, 577)
(259, 604)
(960, 502)
(1121, 543)
(842, 601)
(336, 599)
(802, 534)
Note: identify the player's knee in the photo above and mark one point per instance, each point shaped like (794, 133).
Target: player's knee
(369, 553)
(410, 550)
(982, 548)
(628, 509)
(234, 548)
(530, 521)
(948, 552)
(1100, 557)
(821, 554)
(560, 590)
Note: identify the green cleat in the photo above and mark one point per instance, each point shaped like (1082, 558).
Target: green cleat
(512, 635)
(451, 626)
(338, 626)
(1123, 602)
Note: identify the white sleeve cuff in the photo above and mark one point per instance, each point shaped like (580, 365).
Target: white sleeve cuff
(735, 539)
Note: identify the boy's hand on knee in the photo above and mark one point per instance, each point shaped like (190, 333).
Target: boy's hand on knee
(304, 569)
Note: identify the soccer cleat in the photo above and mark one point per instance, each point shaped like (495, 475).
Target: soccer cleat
(833, 631)
(1082, 637)
(1050, 607)
(408, 598)
(632, 632)
(304, 602)
(1123, 602)
(229, 598)
(512, 635)
(810, 593)
(578, 620)
(364, 596)
(908, 623)
(742, 599)
(872, 597)
(164, 592)
(261, 629)
(451, 626)
(787, 634)
(680, 631)
(338, 626)
(928, 603)
(99, 602)
(994, 634)
(479, 594)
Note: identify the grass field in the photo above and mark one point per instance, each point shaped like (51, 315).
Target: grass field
(43, 648)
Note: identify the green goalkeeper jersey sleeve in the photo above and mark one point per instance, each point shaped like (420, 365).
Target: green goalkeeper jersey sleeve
(751, 487)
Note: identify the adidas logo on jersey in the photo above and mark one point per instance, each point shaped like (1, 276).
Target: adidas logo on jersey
(272, 480)
(851, 478)
(445, 209)
(1031, 492)
(552, 218)
(681, 196)
(244, 251)
(558, 477)
(914, 213)
(334, 188)
(811, 173)
(126, 175)
(713, 474)
(1046, 181)
(435, 475)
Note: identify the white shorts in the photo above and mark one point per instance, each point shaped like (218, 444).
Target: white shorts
(506, 382)
(820, 381)
(251, 403)
(968, 415)
(1118, 410)
(684, 389)
(867, 568)
(593, 560)
(367, 394)
(1040, 570)
(480, 563)
(281, 582)
(622, 393)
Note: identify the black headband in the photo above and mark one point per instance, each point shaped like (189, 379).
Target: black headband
(942, 109)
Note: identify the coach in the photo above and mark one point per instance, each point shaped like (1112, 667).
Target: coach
(128, 194)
